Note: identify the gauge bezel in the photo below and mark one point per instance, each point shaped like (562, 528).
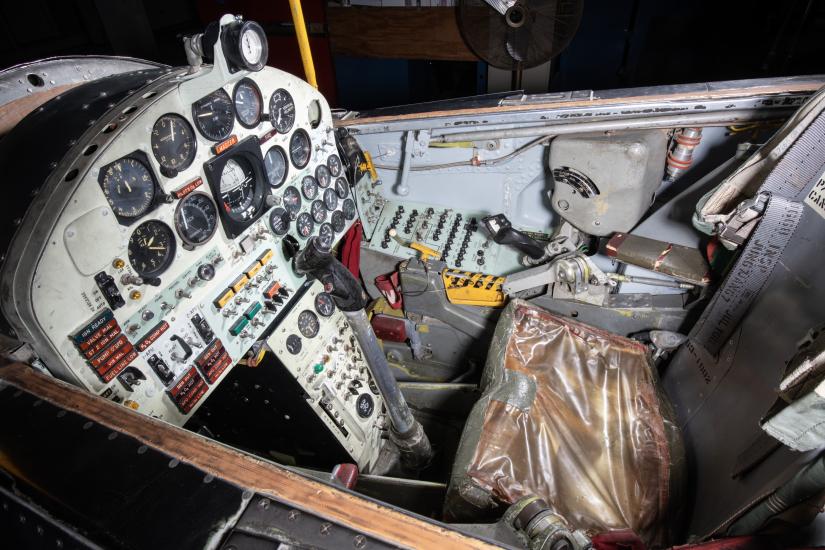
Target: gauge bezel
(343, 221)
(158, 194)
(340, 166)
(196, 119)
(260, 114)
(293, 213)
(344, 209)
(231, 42)
(318, 297)
(187, 242)
(272, 213)
(297, 225)
(331, 192)
(273, 118)
(300, 131)
(308, 312)
(346, 187)
(250, 150)
(286, 165)
(172, 171)
(170, 258)
(323, 211)
(316, 187)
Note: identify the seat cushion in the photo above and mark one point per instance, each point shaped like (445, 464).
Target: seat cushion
(573, 414)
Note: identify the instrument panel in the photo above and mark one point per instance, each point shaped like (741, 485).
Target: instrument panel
(166, 263)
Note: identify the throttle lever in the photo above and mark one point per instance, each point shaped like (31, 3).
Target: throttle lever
(502, 232)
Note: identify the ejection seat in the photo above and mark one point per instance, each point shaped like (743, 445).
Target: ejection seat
(571, 414)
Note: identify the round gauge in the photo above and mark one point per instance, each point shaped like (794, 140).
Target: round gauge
(151, 248)
(292, 200)
(293, 344)
(305, 225)
(276, 166)
(349, 209)
(238, 189)
(341, 187)
(282, 111)
(338, 221)
(279, 221)
(330, 199)
(314, 113)
(308, 324)
(253, 46)
(249, 103)
(129, 187)
(173, 143)
(318, 211)
(214, 115)
(322, 175)
(324, 304)
(334, 164)
(326, 234)
(309, 187)
(300, 148)
(196, 218)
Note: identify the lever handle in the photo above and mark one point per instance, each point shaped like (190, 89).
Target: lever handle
(502, 232)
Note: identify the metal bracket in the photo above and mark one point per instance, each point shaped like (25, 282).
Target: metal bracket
(739, 224)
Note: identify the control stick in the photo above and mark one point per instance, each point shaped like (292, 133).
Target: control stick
(315, 260)
(502, 232)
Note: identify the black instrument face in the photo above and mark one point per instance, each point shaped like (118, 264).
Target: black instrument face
(276, 166)
(334, 164)
(349, 209)
(151, 248)
(341, 187)
(248, 103)
(292, 200)
(305, 225)
(214, 115)
(309, 187)
(282, 111)
(173, 143)
(330, 199)
(238, 189)
(300, 148)
(308, 324)
(279, 221)
(324, 304)
(196, 218)
(323, 175)
(326, 234)
(293, 344)
(129, 187)
(318, 211)
(338, 221)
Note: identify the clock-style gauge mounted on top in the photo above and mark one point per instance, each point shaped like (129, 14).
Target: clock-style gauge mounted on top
(245, 46)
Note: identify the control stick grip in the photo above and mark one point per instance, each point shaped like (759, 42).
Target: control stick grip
(316, 261)
(502, 232)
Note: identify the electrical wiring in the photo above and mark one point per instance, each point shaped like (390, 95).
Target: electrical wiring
(474, 161)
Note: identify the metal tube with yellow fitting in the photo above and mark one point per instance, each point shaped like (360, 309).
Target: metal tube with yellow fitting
(303, 41)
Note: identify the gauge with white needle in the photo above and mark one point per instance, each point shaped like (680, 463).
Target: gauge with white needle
(173, 143)
(196, 218)
(151, 248)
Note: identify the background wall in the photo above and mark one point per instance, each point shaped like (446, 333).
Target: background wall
(415, 54)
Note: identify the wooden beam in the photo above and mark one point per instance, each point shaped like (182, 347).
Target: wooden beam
(381, 521)
(400, 33)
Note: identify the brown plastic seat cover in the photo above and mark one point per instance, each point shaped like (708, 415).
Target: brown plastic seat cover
(573, 414)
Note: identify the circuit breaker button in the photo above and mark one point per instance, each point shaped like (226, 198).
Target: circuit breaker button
(265, 257)
(239, 283)
(253, 310)
(238, 327)
(253, 269)
(224, 298)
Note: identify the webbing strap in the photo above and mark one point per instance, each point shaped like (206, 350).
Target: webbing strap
(802, 164)
(750, 273)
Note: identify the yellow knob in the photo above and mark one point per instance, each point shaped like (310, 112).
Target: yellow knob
(118, 263)
(135, 295)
